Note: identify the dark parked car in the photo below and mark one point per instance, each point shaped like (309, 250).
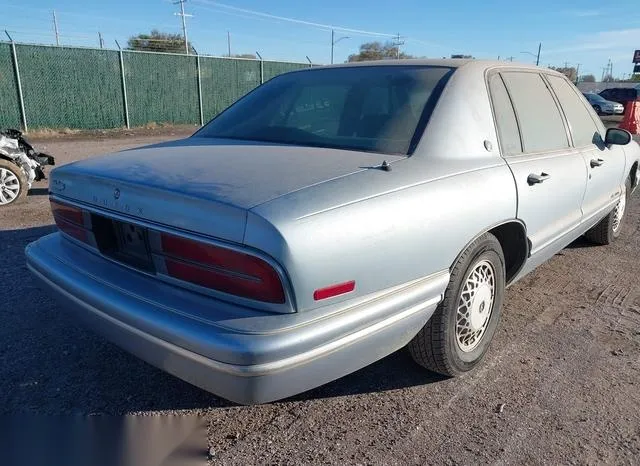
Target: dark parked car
(620, 94)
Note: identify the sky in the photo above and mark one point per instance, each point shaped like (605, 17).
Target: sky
(587, 32)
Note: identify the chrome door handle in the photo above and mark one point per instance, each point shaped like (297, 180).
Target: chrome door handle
(534, 178)
(596, 162)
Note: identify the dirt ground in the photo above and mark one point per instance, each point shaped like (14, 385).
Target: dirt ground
(564, 367)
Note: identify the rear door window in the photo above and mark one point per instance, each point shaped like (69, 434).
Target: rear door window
(540, 120)
(581, 124)
(506, 123)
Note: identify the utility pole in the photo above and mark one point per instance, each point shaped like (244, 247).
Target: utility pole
(510, 58)
(100, 40)
(578, 72)
(229, 43)
(538, 57)
(184, 23)
(397, 44)
(55, 27)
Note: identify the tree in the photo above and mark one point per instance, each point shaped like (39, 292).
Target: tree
(378, 51)
(158, 42)
(569, 72)
(635, 77)
(587, 78)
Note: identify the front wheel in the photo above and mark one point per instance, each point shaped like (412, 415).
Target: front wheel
(597, 109)
(458, 335)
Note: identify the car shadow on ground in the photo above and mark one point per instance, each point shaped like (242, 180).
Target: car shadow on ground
(38, 192)
(580, 243)
(56, 366)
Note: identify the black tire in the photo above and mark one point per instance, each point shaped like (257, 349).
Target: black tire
(436, 346)
(22, 181)
(604, 233)
(597, 109)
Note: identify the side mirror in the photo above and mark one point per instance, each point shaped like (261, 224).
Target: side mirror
(617, 136)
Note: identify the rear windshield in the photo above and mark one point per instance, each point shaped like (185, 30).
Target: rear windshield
(378, 109)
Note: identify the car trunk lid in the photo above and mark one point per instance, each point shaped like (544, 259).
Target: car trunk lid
(203, 185)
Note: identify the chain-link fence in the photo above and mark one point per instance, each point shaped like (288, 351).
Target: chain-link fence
(64, 87)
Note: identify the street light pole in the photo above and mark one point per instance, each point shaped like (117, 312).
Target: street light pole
(333, 34)
(334, 42)
(535, 55)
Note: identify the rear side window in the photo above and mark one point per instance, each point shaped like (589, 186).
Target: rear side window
(506, 123)
(583, 129)
(540, 121)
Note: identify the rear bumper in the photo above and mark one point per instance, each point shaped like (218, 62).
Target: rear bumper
(239, 354)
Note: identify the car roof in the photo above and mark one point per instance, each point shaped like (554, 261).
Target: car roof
(467, 64)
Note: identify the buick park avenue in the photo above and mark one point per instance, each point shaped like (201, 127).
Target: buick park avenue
(332, 216)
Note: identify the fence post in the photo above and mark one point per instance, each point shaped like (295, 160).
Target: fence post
(124, 88)
(199, 89)
(261, 68)
(16, 70)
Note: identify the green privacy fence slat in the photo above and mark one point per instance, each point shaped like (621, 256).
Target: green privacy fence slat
(9, 105)
(224, 81)
(272, 69)
(161, 88)
(70, 87)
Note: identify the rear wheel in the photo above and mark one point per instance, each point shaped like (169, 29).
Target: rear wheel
(458, 335)
(13, 184)
(610, 227)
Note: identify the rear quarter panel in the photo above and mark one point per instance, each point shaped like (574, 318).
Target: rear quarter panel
(385, 237)
(383, 229)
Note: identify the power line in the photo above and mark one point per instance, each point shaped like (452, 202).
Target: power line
(293, 20)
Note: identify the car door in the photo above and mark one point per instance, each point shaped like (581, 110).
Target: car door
(550, 175)
(605, 165)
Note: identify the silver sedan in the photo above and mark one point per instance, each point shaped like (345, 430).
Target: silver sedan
(603, 106)
(333, 216)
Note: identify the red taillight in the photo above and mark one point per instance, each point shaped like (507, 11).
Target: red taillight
(221, 269)
(72, 230)
(334, 290)
(67, 212)
(69, 220)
